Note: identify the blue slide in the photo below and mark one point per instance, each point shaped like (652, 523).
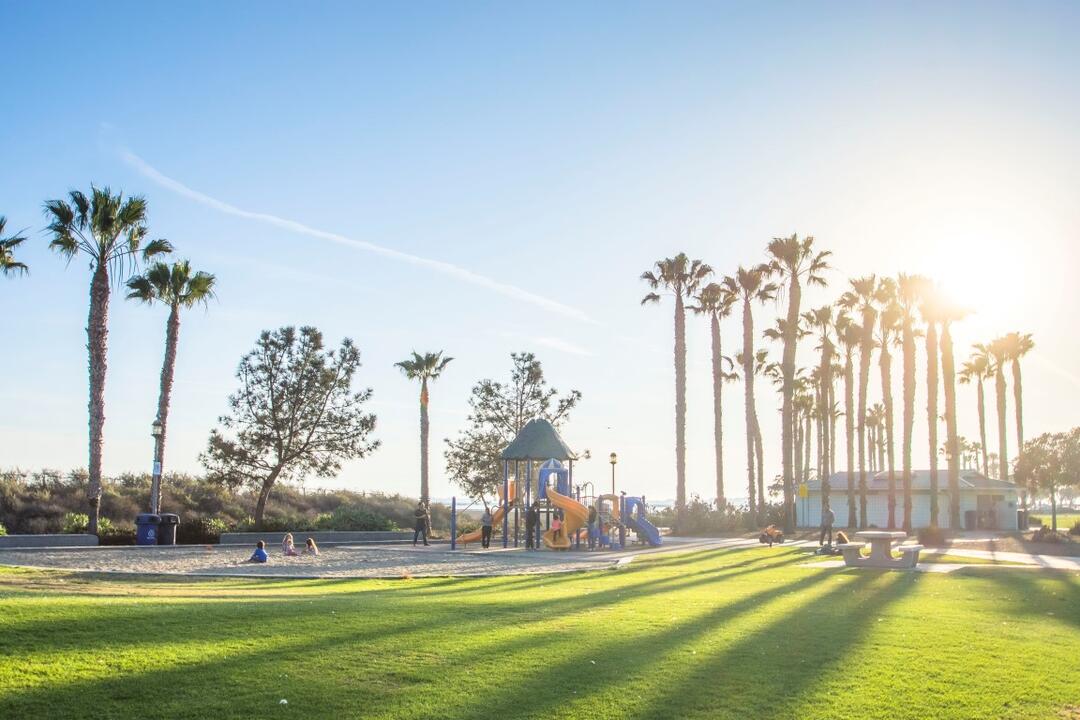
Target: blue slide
(636, 521)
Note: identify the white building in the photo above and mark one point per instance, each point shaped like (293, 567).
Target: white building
(984, 503)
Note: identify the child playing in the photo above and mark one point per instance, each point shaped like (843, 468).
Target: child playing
(312, 548)
(556, 528)
(287, 547)
(259, 556)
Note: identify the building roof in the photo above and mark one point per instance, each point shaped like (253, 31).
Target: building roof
(538, 440)
(920, 480)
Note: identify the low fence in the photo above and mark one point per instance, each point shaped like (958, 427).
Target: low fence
(47, 541)
(322, 537)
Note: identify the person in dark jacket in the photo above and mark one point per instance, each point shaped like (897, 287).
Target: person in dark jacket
(485, 528)
(593, 532)
(828, 517)
(532, 519)
(421, 527)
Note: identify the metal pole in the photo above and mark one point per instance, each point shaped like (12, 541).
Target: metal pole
(155, 482)
(453, 523)
(506, 500)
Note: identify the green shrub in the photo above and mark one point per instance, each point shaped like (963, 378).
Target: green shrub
(702, 518)
(3, 530)
(200, 531)
(116, 536)
(75, 523)
(352, 518)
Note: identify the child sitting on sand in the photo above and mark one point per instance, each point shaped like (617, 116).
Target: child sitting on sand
(287, 547)
(259, 556)
(312, 548)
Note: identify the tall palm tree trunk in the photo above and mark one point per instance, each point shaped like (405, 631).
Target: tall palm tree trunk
(890, 449)
(748, 399)
(680, 408)
(759, 453)
(1018, 403)
(807, 442)
(849, 433)
(982, 426)
(424, 433)
(932, 415)
(953, 455)
(797, 444)
(718, 407)
(864, 381)
(1003, 441)
(168, 367)
(908, 339)
(97, 332)
(788, 411)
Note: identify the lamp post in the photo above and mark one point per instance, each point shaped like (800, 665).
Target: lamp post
(613, 459)
(157, 431)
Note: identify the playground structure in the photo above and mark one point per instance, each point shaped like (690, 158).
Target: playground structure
(534, 475)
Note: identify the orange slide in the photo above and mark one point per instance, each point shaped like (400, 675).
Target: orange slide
(496, 520)
(575, 517)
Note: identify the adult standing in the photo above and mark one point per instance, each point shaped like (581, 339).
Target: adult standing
(485, 528)
(421, 526)
(532, 519)
(827, 520)
(592, 527)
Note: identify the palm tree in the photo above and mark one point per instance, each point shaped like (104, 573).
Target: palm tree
(750, 286)
(109, 231)
(888, 326)
(681, 276)
(716, 302)
(875, 422)
(950, 314)
(850, 335)
(861, 297)
(177, 288)
(8, 264)
(999, 355)
(822, 319)
(425, 368)
(931, 312)
(909, 291)
(795, 261)
(977, 369)
(1017, 346)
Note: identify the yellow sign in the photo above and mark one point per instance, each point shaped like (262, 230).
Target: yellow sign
(804, 491)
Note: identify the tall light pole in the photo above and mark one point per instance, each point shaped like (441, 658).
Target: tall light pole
(157, 431)
(613, 459)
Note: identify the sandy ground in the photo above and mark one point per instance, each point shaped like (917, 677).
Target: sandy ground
(339, 561)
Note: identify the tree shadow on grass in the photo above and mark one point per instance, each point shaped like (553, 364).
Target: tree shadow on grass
(1035, 593)
(769, 672)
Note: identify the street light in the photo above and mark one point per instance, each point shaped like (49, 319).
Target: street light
(157, 431)
(613, 459)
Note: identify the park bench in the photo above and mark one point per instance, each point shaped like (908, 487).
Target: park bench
(851, 551)
(909, 555)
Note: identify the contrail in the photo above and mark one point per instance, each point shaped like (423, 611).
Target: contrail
(445, 268)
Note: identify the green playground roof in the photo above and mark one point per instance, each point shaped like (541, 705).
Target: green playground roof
(538, 440)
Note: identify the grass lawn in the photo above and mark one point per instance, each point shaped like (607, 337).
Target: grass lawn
(723, 634)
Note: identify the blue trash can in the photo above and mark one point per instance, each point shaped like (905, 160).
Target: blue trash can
(146, 529)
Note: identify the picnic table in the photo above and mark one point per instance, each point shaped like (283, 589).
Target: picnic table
(881, 542)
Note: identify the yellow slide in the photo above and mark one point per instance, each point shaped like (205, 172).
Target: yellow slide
(575, 517)
(496, 521)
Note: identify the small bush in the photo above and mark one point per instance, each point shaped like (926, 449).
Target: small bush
(931, 536)
(200, 531)
(3, 530)
(1046, 535)
(75, 523)
(352, 518)
(116, 536)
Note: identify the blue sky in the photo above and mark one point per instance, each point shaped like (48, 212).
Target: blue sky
(556, 148)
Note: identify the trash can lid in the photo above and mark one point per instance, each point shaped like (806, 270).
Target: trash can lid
(147, 519)
(170, 519)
